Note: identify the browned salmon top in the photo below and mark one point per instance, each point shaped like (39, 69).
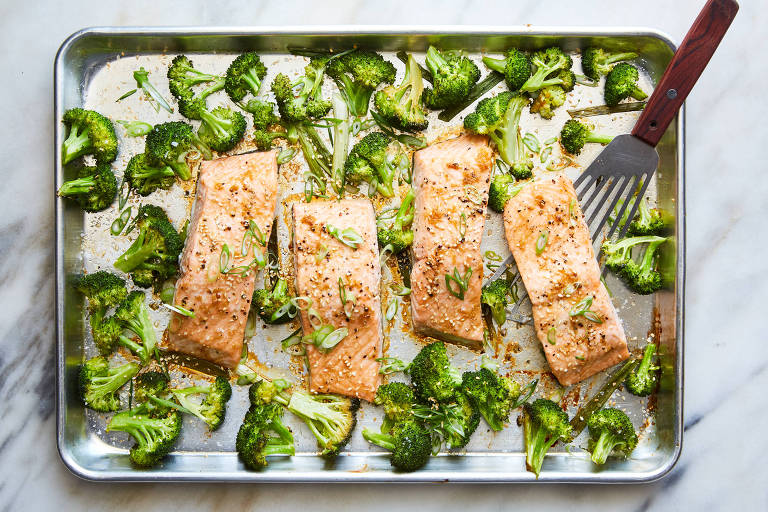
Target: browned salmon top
(350, 368)
(562, 279)
(451, 182)
(231, 192)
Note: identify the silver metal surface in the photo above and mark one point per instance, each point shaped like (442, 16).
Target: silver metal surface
(91, 454)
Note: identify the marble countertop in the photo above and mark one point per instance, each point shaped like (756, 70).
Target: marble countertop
(726, 358)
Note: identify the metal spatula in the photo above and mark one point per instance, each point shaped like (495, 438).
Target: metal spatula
(629, 161)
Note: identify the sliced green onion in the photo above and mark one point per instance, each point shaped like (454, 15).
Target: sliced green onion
(526, 393)
(119, 223)
(462, 226)
(348, 236)
(392, 309)
(402, 292)
(572, 209)
(224, 259)
(285, 156)
(391, 365)
(286, 309)
(178, 309)
(541, 242)
(602, 280)
(545, 154)
(167, 293)
(333, 338)
(321, 253)
(473, 194)
(559, 164)
(531, 142)
(552, 336)
(581, 306)
(135, 128)
(580, 358)
(411, 141)
(593, 317)
(584, 80)
(302, 302)
(292, 339)
(385, 253)
(492, 255)
(314, 318)
(571, 288)
(489, 364)
(550, 141)
(129, 93)
(462, 282)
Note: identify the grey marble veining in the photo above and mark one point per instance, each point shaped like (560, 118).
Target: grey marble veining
(722, 466)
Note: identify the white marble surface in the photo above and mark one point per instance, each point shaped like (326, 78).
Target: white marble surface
(722, 466)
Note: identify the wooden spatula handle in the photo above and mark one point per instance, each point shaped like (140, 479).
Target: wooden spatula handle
(688, 63)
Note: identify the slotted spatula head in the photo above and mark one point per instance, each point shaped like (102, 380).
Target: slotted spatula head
(623, 167)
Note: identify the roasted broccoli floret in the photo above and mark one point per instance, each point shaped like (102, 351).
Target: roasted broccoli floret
(106, 331)
(397, 399)
(432, 375)
(516, 68)
(544, 424)
(495, 296)
(610, 432)
(90, 133)
(621, 83)
(503, 188)
(100, 382)
(396, 236)
(262, 434)
(401, 105)
(642, 277)
(94, 189)
(358, 74)
(274, 306)
(453, 77)
(302, 100)
(574, 135)
(154, 436)
(551, 67)
(618, 254)
(331, 418)
(549, 98)
(645, 377)
(144, 177)
(410, 443)
(499, 118)
(133, 314)
(596, 61)
(213, 407)
(494, 396)
(150, 383)
(648, 221)
(368, 162)
(244, 75)
(222, 128)
(154, 256)
(453, 422)
(182, 76)
(102, 289)
(170, 143)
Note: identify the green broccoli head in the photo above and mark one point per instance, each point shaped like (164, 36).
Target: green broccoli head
(262, 392)
(358, 74)
(99, 383)
(397, 236)
(642, 277)
(262, 434)
(154, 436)
(102, 289)
(106, 332)
(410, 443)
(397, 399)
(575, 134)
(213, 406)
(133, 314)
(432, 375)
(301, 101)
(597, 61)
(94, 189)
(610, 432)
(495, 296)
(649, 221)
(152, 382)
(494, 396)
(549, 98)
(368, 162)
(90, 133)
(621, 83)
(154, 256)
(144, 178)
(548, 66)
(182, 76)
(244, 75)
(544, 424)
(401, 105)
(453, 77)
(264, 139)
(222, 128)
(644, 379)
(263, 114)
(503, 188)
(331, 418)
(274, 306)
(516, 68)
(170, 143)
(499, 118)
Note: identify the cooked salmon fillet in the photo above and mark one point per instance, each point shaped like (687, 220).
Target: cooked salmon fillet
(350, 368)
(231, 192)
(450, 180)
(564, 274)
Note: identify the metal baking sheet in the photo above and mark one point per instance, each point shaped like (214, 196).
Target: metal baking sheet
(93, 68)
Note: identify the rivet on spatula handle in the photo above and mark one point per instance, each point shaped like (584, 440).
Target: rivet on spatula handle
(687, 65)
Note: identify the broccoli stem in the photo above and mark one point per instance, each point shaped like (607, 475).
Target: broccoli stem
(136, 254)
(498, 65)
(413, 80)
(434, 60)
(647, 261)
(77, 144)
(78, 186)
(384, 440)
(283, 444)
(603, 447)
(647, 360)
(251, 78)
(536, 448)
(600, 139)
(154, 172)
(114, 380)
(638, 93)
(509, 143)
(341, 134)
(616, 57)
(356, 96)
(222, 127)
(404, 215)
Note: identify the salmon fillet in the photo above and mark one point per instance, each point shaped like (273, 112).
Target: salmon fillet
(450, 179)
(350, 368)
(231, 191)
(560, 277)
